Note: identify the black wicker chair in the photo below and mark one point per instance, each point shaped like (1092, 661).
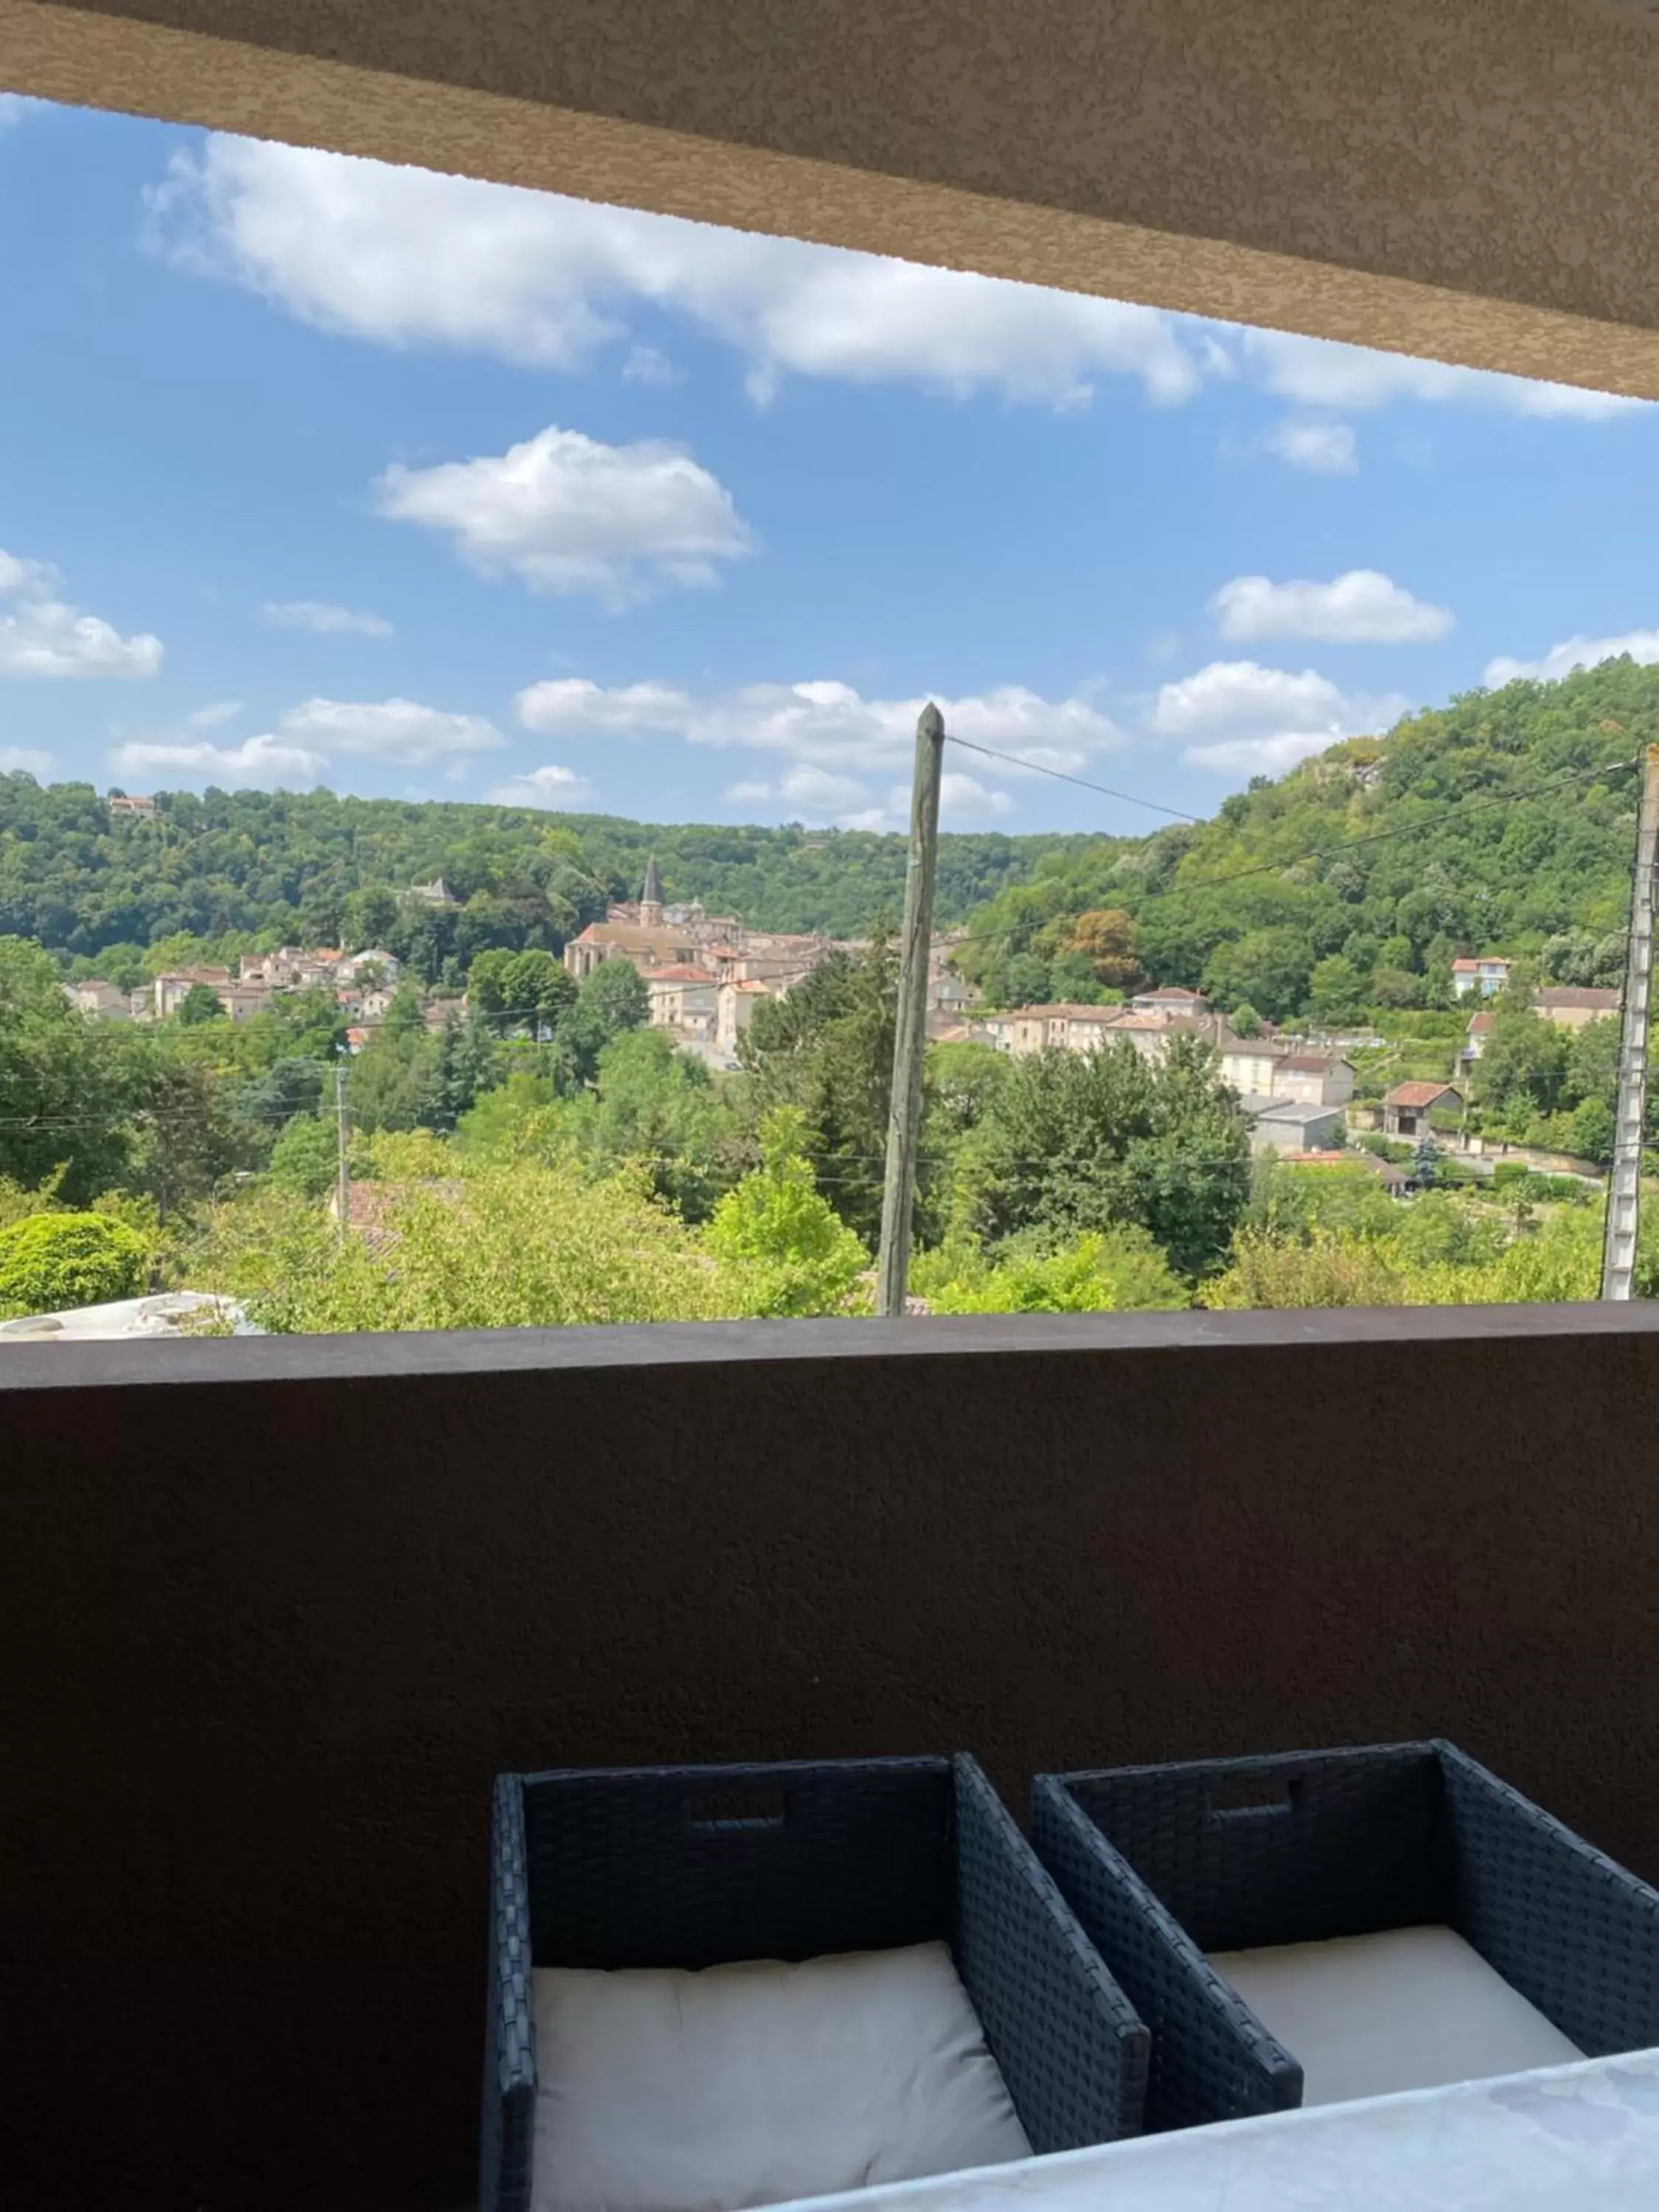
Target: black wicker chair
(1165, 1863)
(696, 1867)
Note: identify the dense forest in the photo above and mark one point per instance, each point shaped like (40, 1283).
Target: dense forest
(1503, 821)
(312, 867)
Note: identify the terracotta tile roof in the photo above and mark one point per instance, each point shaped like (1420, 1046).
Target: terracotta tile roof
(1574, 994)
(1419, 1094)
(1313, 1063)
(678, 975)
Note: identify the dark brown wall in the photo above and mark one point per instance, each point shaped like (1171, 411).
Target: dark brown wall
(1472, 179)
(264, 1638)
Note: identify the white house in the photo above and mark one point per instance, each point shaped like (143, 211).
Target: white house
(735, 1002)
(682, 997)
(1314, 1078)
(1487, 975)
(1248, 1064)
(351, 968)
(98, 997)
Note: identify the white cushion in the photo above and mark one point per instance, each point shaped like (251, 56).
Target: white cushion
(1409, 2009)
(660, 2090)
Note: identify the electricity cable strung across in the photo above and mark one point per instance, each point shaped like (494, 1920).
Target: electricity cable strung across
(1295, 861)
(1265, 867)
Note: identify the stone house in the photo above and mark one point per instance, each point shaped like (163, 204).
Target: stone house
(1409, 1106)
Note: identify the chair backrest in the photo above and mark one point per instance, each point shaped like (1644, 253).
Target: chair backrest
(699, 1866)
(1283, 1849)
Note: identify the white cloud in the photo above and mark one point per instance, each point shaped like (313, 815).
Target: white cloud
(962, 798)
(1642, 646)
(831, 737)
(1328, 449)
(573, 703)
(264, 762)
(327, 621)
(824, 722)
(1362, 606)
(42, 636)
(1230, 693)
(404, 257)
(645, 365)
(551, 787)
(819, 791)
(1259, 756)
(832, 724)
(1032, 760)
(24, 760)
(1244, 718)
(1319, 373)
(214, 716)
(390, 729)
(565, 512)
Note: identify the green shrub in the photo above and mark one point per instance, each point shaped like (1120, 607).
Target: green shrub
(52, 1261)
(1116, 1271)
(781, 1239)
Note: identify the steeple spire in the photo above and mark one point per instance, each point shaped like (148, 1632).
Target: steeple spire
(651, 896)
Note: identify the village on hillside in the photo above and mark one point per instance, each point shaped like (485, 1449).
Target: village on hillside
(705, 973)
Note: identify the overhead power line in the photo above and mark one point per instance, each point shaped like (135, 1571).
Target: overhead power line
(1412, 829)
(1064, 776)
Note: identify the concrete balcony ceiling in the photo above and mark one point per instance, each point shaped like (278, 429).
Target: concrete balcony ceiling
(1474, 180)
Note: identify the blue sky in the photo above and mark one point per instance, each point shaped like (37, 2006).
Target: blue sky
(316, 472)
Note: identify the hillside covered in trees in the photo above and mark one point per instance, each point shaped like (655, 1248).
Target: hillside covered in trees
(314, 868)
(1503, 821)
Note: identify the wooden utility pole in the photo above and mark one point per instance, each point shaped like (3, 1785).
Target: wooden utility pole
(343, 1172)
(910, 1032)
(1624, 1182)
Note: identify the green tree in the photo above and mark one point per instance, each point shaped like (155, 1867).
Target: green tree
(64, 1089)
(659, 1108)
(389, 1080)
(1116, 1271)
(1592, 1063)
(610, 1002)
(1520, 1070)
(1246, 1022)
(185, 1138)
(305, 1158)
(964, 1079)
(1082, 1142)
(49, 1262)
(464, 1065)
(199, 1003)
(520, 1246)
(369, 916)
(1336, 992)
(828, 1050)
(521, 1119)
(537, 989)
(1394, 986)
(486, 984)
(1270, 967)
(776, 1231)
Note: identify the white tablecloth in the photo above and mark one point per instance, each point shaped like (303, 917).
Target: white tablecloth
(1580, 2138)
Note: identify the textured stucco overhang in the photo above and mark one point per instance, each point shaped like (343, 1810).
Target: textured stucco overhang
(1472, 179)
